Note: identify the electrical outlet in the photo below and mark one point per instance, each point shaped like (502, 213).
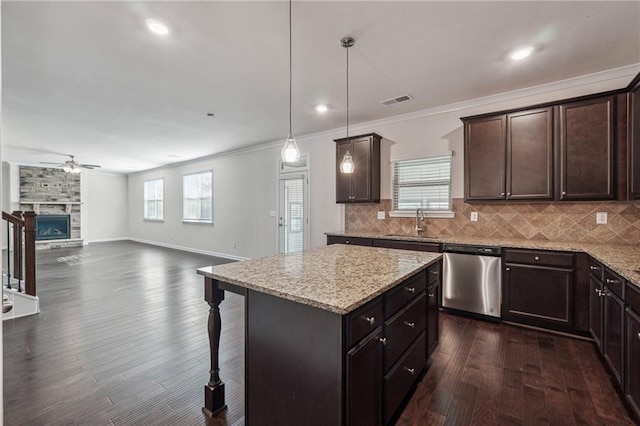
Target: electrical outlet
(381, 215)
(601, 218)
(474, 216)
(272, 213)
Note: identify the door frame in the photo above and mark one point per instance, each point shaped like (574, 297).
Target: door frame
(280, 172)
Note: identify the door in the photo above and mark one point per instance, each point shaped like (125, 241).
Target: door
(613, 336)
(484, 156)
(360, 179)
(293, 218)
(596, 307)
(364, 382)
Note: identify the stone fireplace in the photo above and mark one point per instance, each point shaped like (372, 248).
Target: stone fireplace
(55, 196)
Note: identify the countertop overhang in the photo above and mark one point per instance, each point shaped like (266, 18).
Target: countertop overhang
(337, 278)
(622, 259)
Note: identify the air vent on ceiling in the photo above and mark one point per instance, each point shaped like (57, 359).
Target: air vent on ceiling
(397, 100)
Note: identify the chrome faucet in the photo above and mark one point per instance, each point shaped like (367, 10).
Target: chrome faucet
(419, 214)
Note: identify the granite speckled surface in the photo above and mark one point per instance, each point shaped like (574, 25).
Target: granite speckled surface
(623, 259)
(337, 278)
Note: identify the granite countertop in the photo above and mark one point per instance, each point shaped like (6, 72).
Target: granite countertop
(623, 259)
(337, 278)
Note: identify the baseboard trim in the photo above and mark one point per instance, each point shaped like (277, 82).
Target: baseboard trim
(106, 240)
(190, 249)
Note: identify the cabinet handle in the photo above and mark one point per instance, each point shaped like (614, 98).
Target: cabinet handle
(347, 242)
(410, 370)
(410, 289)
(410, 324)
(371, 320)
(594, 268)
(502, 194)
(598, 292)
(383, 340)
(431, 294)
(508, 194)
(638, 335)
(564, 192)
(507, 269)
(537, 258)
(612, 281)
(435, 272)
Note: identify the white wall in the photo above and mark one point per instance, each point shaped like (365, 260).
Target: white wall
(245, 183)
(104, 206)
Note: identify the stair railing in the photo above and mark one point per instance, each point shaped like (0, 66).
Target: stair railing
(21, 241)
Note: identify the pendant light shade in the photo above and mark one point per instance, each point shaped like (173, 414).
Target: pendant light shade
(290, 151)
(347, 165)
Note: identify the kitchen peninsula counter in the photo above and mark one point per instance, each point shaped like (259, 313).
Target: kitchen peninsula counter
(305, 315)
(623, 259)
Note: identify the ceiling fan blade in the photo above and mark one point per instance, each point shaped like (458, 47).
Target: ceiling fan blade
(49, 162)
(89, 166)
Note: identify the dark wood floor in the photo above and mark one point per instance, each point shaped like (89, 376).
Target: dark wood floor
(121, 339)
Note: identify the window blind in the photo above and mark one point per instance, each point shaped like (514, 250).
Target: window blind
(197, 197)
(422, 183)
(153, 199)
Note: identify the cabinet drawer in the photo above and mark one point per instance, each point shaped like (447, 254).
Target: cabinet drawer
(433, 273)
(403, 328)
(596, 270)
(614, 282)
(403, 375)
(357, 241)
(633, 298)
(538, 257)
(408, 245)
(363, 321)
(407, 291)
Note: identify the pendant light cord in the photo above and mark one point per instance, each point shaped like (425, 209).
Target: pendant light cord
(290, 70)
(347, 49)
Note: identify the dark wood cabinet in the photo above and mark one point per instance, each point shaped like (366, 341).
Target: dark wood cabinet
(364, 387)
(538, 288)
(484, 158)
(596, 308)
(356, 241)
(632, 365)
(587, 149)
(363, 185)
(433, 317)
(634, 139)
(510, 156)
(530, 155)
(613, 337)
(407, 245)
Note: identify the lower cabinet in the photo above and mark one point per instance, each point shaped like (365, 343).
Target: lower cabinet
(596, 309)
(433, 317)
(613, 337)
(364, 389)
(633, 361)
(356, 241)
(538, 288)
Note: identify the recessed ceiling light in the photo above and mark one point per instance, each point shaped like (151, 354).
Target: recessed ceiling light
(157, 27)
(322, 108)
(522, 53)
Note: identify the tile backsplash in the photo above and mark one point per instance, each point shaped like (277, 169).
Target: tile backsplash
(563, 221)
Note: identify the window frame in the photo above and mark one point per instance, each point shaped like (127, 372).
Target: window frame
(145, 216)
(428, 213)
(197, 221)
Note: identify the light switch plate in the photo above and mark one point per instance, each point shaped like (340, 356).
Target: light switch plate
(381, 215)
(474, 216)
(601, 218)
(272, 213)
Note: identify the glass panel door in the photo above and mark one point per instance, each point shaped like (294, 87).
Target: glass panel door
(292, 212)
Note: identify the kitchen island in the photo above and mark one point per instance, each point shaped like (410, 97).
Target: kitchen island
(334, 335)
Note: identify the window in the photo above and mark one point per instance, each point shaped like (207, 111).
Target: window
(197, 197)
(422, 183)
(154, 199)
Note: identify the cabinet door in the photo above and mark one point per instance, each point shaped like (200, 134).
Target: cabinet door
(632, 385)
(538, 296)
(634, 142)
(595, 311)
(433, 323)
(365, 181)
(484, 156)
(587, 135)
(364, 382)
(343, 180)
(530, 154)
(613, 337)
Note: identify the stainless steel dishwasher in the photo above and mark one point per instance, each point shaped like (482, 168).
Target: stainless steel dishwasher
(472, 280)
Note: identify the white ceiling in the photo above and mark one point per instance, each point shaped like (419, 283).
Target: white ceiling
(88, 78)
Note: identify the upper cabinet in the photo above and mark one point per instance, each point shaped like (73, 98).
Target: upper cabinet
(634, 139)
(363, 185)
(587, 149)
(510, 156)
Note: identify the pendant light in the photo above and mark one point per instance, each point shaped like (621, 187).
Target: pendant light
(290, 151)
(346, 165)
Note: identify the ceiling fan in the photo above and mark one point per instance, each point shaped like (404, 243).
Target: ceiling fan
(72, 166)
